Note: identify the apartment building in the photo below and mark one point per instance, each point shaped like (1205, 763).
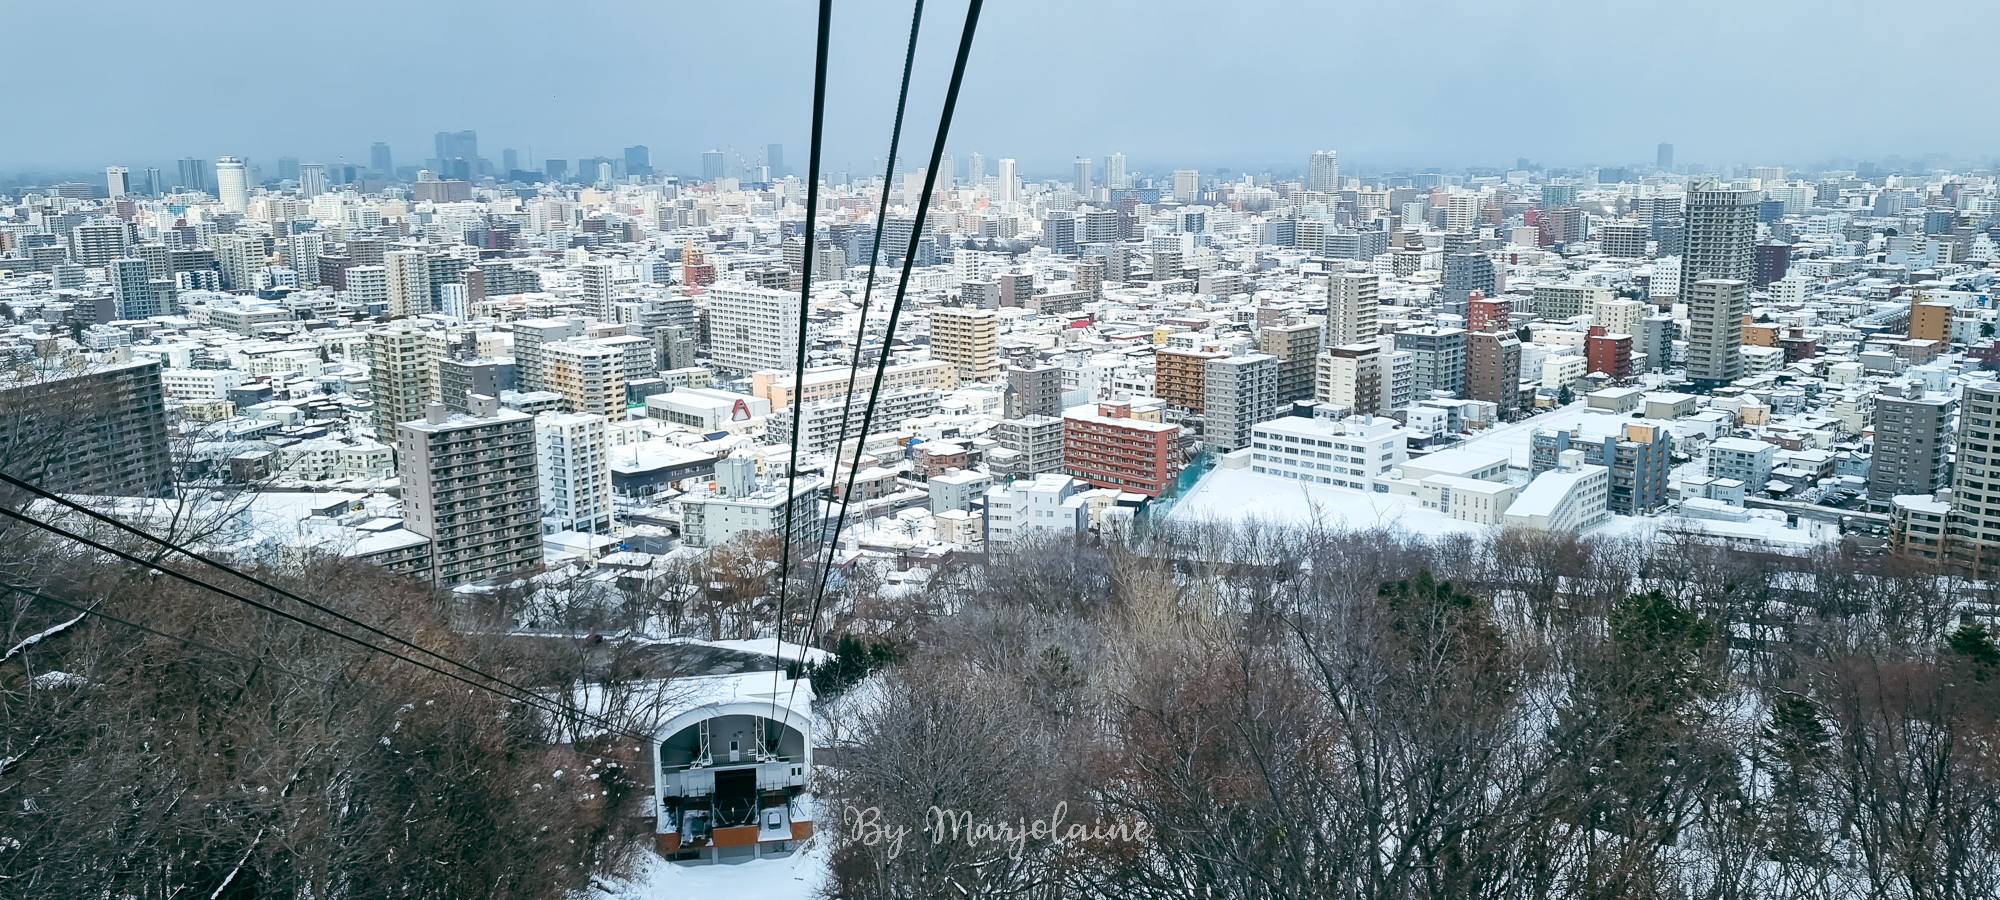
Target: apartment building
(1106, 447)
(470, 485)
(572, 460)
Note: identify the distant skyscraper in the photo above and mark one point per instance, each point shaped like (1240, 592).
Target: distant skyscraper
(1114, 171)
(154, 185)
(1009, 183)
(1082, 175)
(1187, 185)
(1719, 237)
(457, 145)
(638, 160)
(312, 180)
(711, 165)
(510, 160)
(232, 184)
(118, 180)
(947, 170)
(557, 169)
(288, 168)
(1666, 157)
(774, 156)
(1323, 174)
(975, 169)
(379, 160)
(195, 175)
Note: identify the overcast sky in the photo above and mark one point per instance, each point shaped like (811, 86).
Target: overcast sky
(1246, 84)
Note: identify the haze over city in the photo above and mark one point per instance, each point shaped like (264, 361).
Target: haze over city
(1250, 86)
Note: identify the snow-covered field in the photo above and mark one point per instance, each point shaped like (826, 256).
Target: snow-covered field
(795, 877)
(1238, 494)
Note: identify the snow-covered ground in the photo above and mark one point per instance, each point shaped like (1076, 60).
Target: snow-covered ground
(795, 877)
(1238, 494)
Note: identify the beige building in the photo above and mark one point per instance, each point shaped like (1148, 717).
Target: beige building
(969, 338)
(588, 375)
(409, 276)
(469, 485)
(831, 381)
(401, 371)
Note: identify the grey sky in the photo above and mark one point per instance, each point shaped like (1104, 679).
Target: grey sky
(1248, 84)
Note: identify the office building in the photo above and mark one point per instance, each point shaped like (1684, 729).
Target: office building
(774, 158)
(573, 466)
(1009, 182)
(1664, 158)
(1106, 447)
(1114, 172)
(469, 485)
(1187, 186)
(1911, 436)
(1080, 175)
(968, 338)
(638, 161)
(1357, 452)
(1716, 308)
(312, 180)
(379, 160)
(197, 175)
(117, 181)
(712, 165)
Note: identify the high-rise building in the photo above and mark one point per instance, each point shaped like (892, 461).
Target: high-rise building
(452, 145)
(1114, 172)
(1973, 534)
(409, 276)
(100, 431)
(1910, 439)
(752, 328)
(97, 243)
(1352, 299)
(312, 180)
(1719, 236)
(241, 255)
(573, 462)
(232, 184)
(774, 157)
(1240, 391)
(1033, 388)
(1080, 175)
(401, 369)
(379, 160)
(1180, 377)
(1440, 358)
(599, 282)
(1010, 182)
(975, 169)
(469, 484)
(712, 165)
(1715, 330)
(1187, 186)
(288, 168)
(968, 338)
(1664, 161)
(155, 186)
(1493, 368)
(1297, 349)
(588, 375)
(196, 175)
(1351, 376)
(367, 286)
(1323, 173)
(638, 160)
(117, 181)
(530, 336)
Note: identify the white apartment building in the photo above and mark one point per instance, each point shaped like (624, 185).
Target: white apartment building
(573, 464)
(1746, 460)
(1572, 497)
(741, 504)
(1050, 504)
(409, 282)
(752, 328)
(200, 384)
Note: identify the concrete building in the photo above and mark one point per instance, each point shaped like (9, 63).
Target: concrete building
(96, 430)
(1637, 453)
(409, 282)
(1351, 376)
(572, 459)
(401, 369)
(752, 328)
(1440, 358)
(1973, 534)
(1238, 392)
(741, 503)
(1297, 350)
(1572, 497)
(1034, 445)
(1180, 377)
(1047, 505)
(1493, 369)
(1743, 459)
(588, 375)
(706, 410)
(469, 485)
(1106, 447)
(1033, 389)
(1912, 431)
(1719, 239)
(1715, 330)
(832, 381)
(968, 338)
(1352, 302)
(1359, 452)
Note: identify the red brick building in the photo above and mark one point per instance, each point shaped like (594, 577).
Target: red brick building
(1106, 447)
(1488, 314)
